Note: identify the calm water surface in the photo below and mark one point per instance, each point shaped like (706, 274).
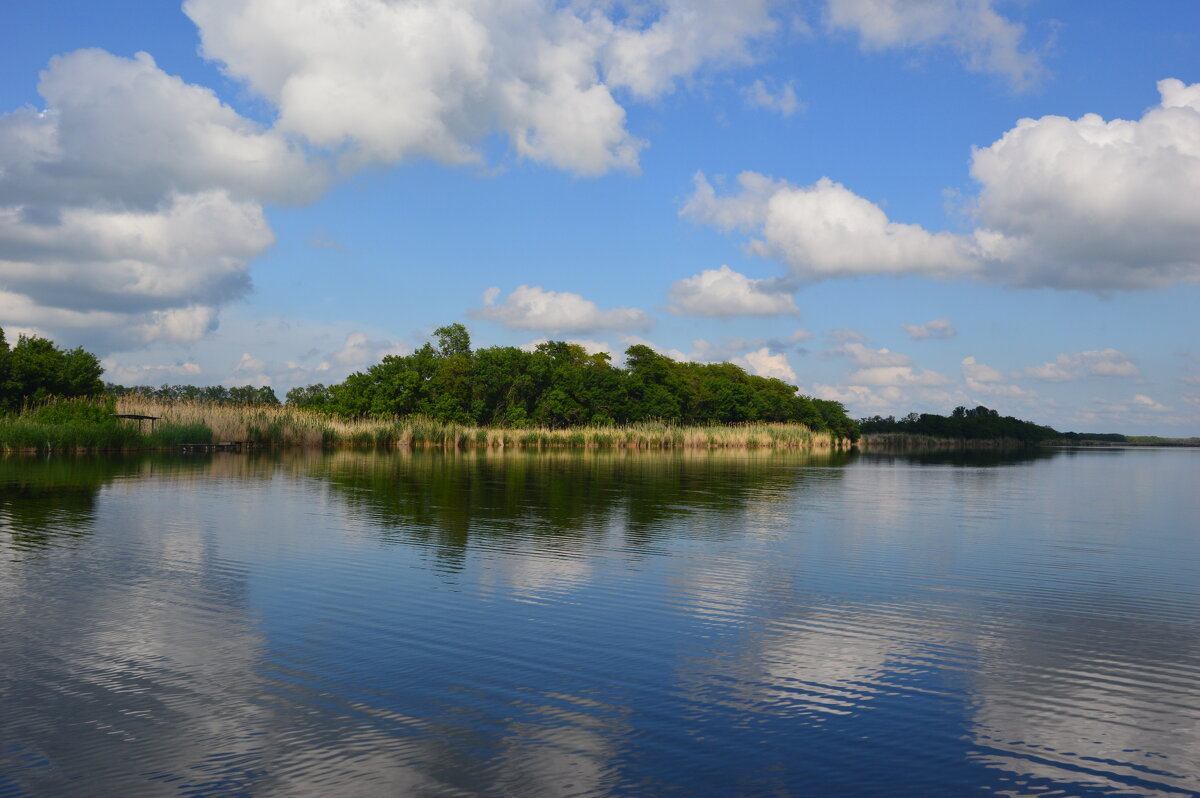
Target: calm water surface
(601, 624)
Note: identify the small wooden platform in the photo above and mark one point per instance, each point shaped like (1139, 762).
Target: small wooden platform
(139, 418)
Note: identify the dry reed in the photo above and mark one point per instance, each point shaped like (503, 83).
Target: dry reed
(289, 426)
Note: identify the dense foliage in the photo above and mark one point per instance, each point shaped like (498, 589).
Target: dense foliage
(241, 395)
(1105, 437)
(966, 424)
(559, 385)
(35, 370)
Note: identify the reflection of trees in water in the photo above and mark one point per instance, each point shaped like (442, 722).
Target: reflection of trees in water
(44, 500)
(447, 499)
(979, 458)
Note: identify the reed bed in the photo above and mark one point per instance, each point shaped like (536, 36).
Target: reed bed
(68, 425)
(288, 426)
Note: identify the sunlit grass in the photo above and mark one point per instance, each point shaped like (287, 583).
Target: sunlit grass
(288, 426)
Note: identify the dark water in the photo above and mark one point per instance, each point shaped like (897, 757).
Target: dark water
(601, 624)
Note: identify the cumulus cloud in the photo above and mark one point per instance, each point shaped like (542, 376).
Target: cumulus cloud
(120, 130)
(896, 377)
(250, 370)
(1139, 410)
(1143, 401)
(731, 348)
(388, 81)
(1093, 363)
(791, 341)
(130, 277)
(129, 374)
(782, 100)
(1079, 204)
(648, 58)
(986, 41)
(358, 351)
(534, 308)
(864, 399)
(824, 230)
(724, 293)
(938, 328)
(361, 350)
(129, 206)
(765, 364)
(1095, 204)
(983, 379)
(862, 355)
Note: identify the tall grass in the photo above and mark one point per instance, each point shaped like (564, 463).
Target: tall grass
(88, 424)
(288, 426)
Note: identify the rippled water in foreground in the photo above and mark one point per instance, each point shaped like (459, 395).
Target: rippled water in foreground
(601, 624)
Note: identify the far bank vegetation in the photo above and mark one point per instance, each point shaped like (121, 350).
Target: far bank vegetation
(443, 395)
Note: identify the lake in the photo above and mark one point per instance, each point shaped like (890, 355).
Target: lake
(612, 623)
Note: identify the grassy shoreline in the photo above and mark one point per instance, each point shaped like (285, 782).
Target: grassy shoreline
(285, 426)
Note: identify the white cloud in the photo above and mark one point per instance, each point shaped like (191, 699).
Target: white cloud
(359, 350)
(390, 81)
(723, 293)
(862, 355)
(729, 349)
(122, 374)
(686, 35)
(724, 349)
(983, 379)
(792, 341)
(782, 101)
(980, 373)
(131, 276)
(1143, 401)
(825, 230)
(250, 370)
(987, 41)
(1095, 205)
(129, 207)
(1139, 411)
(1071, 204)
(120, 130)
(1093, 363)
(765, 364)
(862, 399)
(844, 334)
(938, 328)
(895, 377)
(1191, 379)
(534, 308)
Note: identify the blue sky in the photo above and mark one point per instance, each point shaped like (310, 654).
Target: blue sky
(901, 205)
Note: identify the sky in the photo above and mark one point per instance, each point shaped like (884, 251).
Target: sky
(903, 205)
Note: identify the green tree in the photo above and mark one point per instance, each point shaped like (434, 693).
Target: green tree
(35, 370)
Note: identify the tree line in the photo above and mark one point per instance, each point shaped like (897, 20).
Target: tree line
(559, 384)
(979, 423)
(239, 395)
